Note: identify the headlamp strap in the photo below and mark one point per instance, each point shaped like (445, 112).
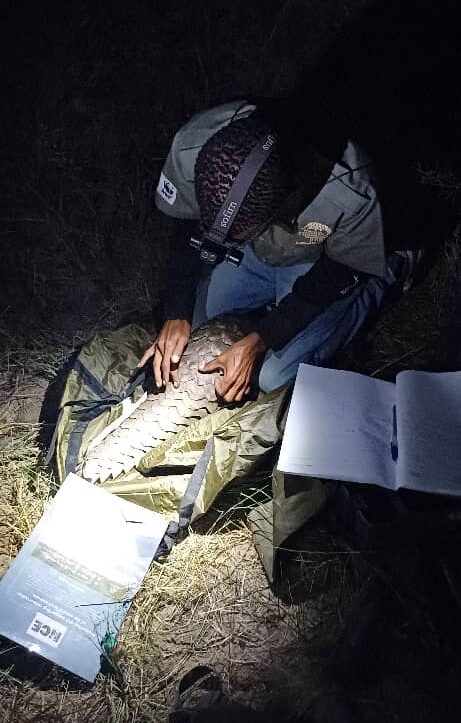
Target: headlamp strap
(241, 185)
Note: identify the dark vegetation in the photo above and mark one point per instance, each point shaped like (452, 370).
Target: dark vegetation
(92, 93)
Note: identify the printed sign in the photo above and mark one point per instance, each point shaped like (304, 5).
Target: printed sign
(73, 582)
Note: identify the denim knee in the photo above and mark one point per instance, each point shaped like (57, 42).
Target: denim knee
(271, 376)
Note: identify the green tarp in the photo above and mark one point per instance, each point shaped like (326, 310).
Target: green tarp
(243, 439)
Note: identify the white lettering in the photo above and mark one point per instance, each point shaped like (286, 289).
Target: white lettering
(228, 213)
(47, 630)
(267, 145)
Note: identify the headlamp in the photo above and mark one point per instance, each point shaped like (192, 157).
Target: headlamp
(213, 252)
(214, 246)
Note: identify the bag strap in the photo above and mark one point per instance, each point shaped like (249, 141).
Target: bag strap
(75, 440)
(186, 507)
(91, 410)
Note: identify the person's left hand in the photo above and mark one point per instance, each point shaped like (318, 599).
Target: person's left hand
(235, 366)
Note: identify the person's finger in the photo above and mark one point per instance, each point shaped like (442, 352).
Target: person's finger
(231, 395)
(158, 368)
(178, 351)
(221, 387)
(236, 388)
(174, 375)
(166, 367)
(212, 366)
(242, 393)
(227, 388)
(147, 354)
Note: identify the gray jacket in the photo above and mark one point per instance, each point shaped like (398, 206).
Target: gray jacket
(340, 229)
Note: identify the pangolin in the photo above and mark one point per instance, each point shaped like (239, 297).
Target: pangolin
(163, 413)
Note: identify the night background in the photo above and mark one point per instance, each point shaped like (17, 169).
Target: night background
(92, 94)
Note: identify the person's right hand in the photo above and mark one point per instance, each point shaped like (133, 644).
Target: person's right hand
(167, 351)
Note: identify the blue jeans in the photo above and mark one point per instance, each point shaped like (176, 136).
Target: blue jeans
(253, 284)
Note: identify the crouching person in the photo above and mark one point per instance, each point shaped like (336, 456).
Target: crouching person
(280, 221)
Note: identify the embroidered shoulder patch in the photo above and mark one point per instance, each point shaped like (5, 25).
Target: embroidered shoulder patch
(167, 190)
(312, 233)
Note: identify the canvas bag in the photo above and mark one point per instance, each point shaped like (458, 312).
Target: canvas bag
(97, 385)
(181, 477)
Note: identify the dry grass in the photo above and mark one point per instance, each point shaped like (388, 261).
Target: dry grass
(208, 603)
(91, 126)
(24, 486)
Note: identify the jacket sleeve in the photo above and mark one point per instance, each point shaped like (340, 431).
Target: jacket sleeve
(182, 272)
(326, 282)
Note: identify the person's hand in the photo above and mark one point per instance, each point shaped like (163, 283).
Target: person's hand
(235, 367)
(167, 351)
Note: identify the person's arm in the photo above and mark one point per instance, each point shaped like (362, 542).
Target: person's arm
(182, 272)
(326, 282)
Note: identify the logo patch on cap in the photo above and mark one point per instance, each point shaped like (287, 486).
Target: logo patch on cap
(166, 189)
(312, 233)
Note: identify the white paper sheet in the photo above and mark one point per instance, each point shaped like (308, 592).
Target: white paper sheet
(429, 430)
(73, 581)
(339, 427)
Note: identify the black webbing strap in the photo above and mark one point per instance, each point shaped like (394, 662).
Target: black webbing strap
(86, 412)
(91, 381)
(242, 183)
(75, 440)
(194, 485)
(188, 501)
